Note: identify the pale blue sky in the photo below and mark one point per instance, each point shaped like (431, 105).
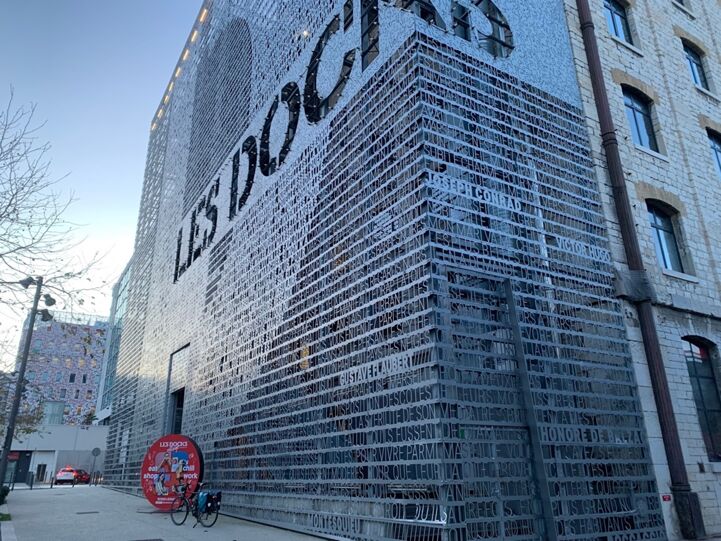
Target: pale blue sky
(96, 70)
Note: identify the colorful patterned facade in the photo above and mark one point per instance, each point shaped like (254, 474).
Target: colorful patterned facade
(64, 365)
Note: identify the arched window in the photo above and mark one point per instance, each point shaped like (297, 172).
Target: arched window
(705, 393)
(664, 236)
(617, 20)
(714, 140)
(638, 110)
(694, 59)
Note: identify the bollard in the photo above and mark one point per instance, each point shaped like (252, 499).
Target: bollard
(52, 481)
(31, 478)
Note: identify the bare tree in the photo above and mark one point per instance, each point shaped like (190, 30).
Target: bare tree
(35, 239)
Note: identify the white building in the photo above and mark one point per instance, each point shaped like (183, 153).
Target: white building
(55, 446)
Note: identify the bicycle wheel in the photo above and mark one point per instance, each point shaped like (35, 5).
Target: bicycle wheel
(179, 510)
(209, 518)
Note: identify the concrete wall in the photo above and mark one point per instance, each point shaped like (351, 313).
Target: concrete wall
(61, 445)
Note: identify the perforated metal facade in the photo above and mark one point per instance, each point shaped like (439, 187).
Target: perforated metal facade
(391, 310)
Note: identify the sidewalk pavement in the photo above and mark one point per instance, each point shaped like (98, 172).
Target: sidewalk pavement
(99, 514)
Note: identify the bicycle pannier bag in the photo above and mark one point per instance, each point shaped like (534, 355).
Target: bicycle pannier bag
(202, 500)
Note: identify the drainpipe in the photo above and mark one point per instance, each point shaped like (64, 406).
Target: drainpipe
(686, 502)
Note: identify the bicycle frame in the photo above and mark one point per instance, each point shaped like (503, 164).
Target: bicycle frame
(190, 500)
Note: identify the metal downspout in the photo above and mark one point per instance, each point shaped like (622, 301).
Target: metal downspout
(686, 502)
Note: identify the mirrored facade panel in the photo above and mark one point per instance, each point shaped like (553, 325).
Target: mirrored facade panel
(373, 281)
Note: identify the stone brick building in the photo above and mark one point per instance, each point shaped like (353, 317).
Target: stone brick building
(661, 62)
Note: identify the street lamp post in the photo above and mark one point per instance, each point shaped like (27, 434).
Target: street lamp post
(10, 432)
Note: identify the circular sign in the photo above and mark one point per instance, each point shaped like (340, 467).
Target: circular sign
(171, 461)
(96, 451)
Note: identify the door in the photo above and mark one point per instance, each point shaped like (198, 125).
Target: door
(23, 465)
(40, 473)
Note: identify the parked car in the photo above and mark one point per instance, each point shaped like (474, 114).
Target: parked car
(83, 477)
(68, 474)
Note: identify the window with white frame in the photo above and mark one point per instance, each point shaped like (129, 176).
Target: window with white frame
(640, 121)
(617, 20)
(694, 59)
(714, 140)
(664, 236)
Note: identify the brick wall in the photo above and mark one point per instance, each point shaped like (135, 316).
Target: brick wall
(682, 175)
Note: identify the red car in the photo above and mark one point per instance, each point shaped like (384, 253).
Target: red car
(68, 474)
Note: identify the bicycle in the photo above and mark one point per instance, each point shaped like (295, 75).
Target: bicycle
(203, 505)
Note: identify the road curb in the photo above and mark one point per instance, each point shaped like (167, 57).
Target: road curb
(7, 530)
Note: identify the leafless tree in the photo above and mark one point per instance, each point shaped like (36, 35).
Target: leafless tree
(35, 239)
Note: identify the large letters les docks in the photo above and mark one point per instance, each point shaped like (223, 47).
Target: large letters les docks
(372, 275)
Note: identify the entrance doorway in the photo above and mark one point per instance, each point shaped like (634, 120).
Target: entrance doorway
(177, 401)
(40, 473)
(23, 466)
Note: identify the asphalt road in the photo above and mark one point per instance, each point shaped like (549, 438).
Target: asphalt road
(93, 513)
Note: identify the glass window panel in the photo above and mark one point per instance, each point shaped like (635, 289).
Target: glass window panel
(664, 222)
(715, 141)
(649, 137)
(674, 258)
(652, 217)
(665, 239)
(710, 394)
(622, 27)
(708, 441)
(704, 370)
(695, 64)
(610, 21)
(706, 396)
(659, 248)
(617, 20)
(714, 429)
(643, 136)
(696, 391)
(638, 112)
(631, 115)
